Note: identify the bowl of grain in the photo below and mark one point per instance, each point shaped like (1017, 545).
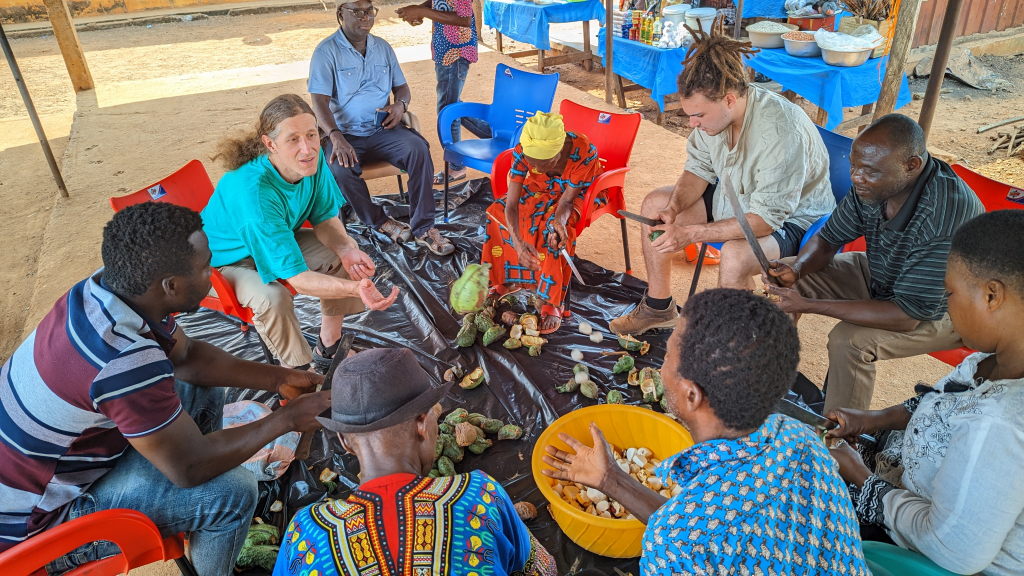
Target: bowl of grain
(768, 34)
(801, 44)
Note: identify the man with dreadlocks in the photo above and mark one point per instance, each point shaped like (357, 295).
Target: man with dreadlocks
(746, 138)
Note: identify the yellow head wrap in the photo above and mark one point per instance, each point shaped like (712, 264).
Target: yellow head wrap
(543, 136)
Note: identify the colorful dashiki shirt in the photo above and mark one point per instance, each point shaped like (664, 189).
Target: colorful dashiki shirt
(768, 503)
(537, 206)
(449, 43)
(463, 525)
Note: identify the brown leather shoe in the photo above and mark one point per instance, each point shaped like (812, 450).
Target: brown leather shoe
(436, 243)
(395, 230)
(644, 318)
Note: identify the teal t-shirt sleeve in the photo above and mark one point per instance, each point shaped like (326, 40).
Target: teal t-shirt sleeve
(327, 198)
(274, 250)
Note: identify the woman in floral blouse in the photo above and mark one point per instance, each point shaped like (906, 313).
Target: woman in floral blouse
(945, 481)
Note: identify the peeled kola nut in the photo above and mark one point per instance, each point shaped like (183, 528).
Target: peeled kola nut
(639, 463)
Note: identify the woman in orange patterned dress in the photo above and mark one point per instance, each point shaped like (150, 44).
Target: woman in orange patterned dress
(551, 172)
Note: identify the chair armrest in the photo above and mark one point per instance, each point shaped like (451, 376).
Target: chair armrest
(452, 112)
(611, 179)
(226, 294)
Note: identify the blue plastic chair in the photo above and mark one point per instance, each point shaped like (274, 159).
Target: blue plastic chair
(838, 148)
(517, 96)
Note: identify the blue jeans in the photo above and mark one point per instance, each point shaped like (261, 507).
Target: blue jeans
(216, 515)
(450, 80)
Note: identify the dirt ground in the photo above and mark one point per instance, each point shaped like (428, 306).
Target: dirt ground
(166, 92)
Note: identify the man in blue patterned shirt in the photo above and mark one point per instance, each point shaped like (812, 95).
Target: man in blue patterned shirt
(760, 493)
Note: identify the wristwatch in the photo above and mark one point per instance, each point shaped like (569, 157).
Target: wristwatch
(405, 104)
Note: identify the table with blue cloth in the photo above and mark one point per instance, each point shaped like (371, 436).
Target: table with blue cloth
(528, 23)
(650, 67)
(763, 8)
(830, 88)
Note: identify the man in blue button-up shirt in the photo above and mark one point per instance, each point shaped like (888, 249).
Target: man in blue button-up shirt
(352, 75)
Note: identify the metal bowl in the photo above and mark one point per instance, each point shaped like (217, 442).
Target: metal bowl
(838, 58)
(802, 48)
(768, 39)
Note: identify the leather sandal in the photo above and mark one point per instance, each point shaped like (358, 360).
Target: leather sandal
(395, 230)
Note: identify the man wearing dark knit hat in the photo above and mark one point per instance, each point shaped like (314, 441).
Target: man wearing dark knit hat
(399, 519)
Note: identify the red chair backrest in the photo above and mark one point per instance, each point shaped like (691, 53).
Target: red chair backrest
(499, 173)
(993, 195)
(133, 532)
(189, 186)
(613, 134)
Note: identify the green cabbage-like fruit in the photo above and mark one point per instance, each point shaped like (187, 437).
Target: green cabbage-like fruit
(624, 364)
(510, 432)
(614, 397)
(513, 343)
(589, 389)
(493, 334)
(466, 336)
(456, 416)
(480, 445)
(470, 291)
(491, 425)
(445, 467)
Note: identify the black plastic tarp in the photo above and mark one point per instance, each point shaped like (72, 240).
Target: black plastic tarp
(520, 389)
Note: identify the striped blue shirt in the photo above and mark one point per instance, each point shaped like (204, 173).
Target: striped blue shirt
(91, 375)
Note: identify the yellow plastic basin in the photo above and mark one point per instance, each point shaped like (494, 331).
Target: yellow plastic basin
(624, 427)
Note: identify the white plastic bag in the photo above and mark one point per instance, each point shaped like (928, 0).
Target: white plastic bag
(863, 38)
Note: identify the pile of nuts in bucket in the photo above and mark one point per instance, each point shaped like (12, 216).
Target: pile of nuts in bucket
(638, 463)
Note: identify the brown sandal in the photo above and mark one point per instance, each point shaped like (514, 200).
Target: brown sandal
(395, 230)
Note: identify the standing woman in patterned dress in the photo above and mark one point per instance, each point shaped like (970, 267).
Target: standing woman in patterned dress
(551, 171)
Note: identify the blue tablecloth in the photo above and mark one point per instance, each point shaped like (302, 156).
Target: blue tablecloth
(528, 22)
(653, 68)
(830, 88)
(763, 8)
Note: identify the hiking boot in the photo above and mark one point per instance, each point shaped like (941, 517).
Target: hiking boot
(644, 318)
(395, 230)
(436, 243)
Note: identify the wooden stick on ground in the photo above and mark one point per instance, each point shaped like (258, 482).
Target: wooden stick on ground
(988, 127)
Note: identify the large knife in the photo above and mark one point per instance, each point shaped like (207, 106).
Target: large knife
(640, 219)
(748, 232)
(813, 419)
(572, 266)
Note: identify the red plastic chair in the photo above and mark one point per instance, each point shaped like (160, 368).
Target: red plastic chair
(132, 531)
(190, 186)
(994, 195)
(613, 135)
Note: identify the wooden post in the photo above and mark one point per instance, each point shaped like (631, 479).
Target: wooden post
(906, 22)
(939, 62)
(32, 115)
(739, 20)
(70, 48)
(609, 73)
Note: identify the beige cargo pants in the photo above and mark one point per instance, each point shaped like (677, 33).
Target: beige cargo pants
(853, 349)
(273, 311)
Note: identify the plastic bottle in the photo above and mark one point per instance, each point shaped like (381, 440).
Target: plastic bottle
(656, 34)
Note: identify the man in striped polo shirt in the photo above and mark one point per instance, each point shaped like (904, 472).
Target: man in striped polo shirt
(107, 404)
(890, 300)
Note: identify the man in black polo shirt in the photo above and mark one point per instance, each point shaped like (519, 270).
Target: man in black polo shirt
(890, 300)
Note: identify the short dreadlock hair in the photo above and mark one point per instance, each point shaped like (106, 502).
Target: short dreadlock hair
(714, 64)
(985, 247)
(741, 350)
(145, 243)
